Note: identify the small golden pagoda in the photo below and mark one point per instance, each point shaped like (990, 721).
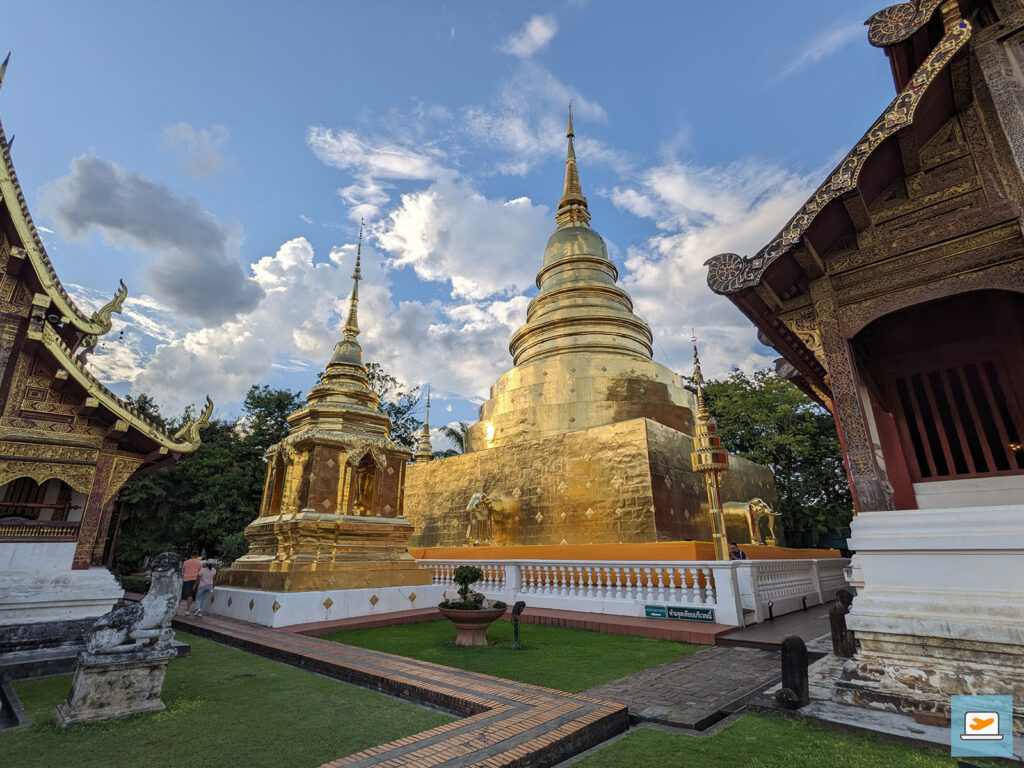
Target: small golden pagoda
(424, 450)
(586, 439)
(331, 516)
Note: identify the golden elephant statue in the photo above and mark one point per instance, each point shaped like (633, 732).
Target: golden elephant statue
(489, 519)
(743, 521)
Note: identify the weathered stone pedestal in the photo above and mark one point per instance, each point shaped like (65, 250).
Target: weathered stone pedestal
(108, 687)
(941, 611)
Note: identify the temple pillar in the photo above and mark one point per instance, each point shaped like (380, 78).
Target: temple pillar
(92, 515)
(870, 490)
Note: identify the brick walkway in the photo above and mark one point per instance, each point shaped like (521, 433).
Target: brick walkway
(697, 690)
(504, 723)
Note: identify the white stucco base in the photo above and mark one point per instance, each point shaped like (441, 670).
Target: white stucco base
(48, 594)
(941, 610)
(257, 606)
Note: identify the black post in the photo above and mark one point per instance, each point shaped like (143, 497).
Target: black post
(842, 638)
(517, 610)
(795, 692)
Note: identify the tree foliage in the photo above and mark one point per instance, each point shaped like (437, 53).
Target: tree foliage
(398, 403)
(456, 434)
(206, 498)
(768, 420)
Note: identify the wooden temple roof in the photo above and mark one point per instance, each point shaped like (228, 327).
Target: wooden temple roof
(74, 332)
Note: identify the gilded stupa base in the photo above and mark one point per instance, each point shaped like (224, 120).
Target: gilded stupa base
(312, 551)
(654, 551)
(629, 482)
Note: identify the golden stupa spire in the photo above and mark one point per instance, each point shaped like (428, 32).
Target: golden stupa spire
(572, 208)
(698, 379)
(3, 67)
(352, 323)
(425, 451)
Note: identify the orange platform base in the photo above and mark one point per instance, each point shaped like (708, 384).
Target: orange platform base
(648, 551)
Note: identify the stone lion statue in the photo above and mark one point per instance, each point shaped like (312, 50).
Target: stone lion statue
(145, 625)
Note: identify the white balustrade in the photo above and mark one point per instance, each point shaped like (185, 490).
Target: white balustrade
(626, 588)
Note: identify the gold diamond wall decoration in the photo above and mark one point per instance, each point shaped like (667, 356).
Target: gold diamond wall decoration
(539, 517)
(276, 606)
(374, 599)
(328, 603)
(251, 604)
(590, 514)
(412, 597)
(563, 515)
(229, 602)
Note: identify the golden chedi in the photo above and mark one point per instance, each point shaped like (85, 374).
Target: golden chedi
(331, 516)
(586, 439)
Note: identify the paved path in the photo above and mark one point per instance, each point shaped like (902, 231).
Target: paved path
(768, 635)
(503, 723)
(694, 691)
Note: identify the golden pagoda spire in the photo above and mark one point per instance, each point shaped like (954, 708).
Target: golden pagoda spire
(425, 451)
(710, 460)
(572, 208)
(352, 323)
(698, 378)
(3, 67)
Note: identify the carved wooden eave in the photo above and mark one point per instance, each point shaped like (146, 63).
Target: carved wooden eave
(772, 287)
(27, 244)
(126, 422)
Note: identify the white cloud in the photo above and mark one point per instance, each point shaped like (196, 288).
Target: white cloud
(201, 152)
(701, 212)
(824, 44)
(449, 232)
(538, 32)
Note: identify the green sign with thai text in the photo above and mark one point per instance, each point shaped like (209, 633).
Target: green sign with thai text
(679, 612)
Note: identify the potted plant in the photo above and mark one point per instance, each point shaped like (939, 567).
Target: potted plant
(471, 614)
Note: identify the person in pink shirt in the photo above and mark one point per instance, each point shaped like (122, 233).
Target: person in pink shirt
(205, 585)
(190, 573)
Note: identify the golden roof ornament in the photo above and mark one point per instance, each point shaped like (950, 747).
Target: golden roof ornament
(352, 322)
(425, 451)
(572, 208)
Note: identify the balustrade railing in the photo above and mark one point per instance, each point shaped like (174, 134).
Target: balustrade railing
(728, 589)
(38, 530)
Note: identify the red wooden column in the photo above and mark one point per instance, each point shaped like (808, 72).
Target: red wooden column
(92, 515)
(866, 480)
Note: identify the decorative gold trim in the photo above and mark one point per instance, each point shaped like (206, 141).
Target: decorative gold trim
(898, 22)
(93, 388)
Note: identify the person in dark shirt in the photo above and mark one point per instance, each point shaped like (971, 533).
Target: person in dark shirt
(735, 553)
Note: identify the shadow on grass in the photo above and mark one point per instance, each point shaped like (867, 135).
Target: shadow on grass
(756, 741)
(224, 708)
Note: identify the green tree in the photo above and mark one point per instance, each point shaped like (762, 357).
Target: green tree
(205, 500)
(398, 403)
(768, 420)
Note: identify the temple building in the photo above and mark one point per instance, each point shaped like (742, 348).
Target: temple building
(330, 537)
(895, 297)
(67, 443)
(586, 439)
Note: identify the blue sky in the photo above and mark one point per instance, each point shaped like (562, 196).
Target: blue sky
(218, 156)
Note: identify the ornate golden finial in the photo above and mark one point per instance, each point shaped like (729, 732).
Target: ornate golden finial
(3, 68)
(102, 315)
(352, 323)
(189, 431)
(698, 377)
(572, 208)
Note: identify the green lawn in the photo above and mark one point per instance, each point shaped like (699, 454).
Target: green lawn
(224, 708)
(567, 659)
(754, 741)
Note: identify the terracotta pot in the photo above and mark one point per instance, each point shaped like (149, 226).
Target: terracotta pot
(471, 625)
